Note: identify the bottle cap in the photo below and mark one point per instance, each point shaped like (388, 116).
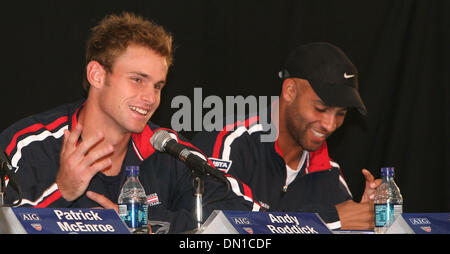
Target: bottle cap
(132, 170)
(387, 172)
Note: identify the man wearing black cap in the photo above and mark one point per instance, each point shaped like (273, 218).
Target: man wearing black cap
(294, 172)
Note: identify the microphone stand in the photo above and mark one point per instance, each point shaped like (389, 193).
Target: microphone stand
(4, 172)
(198, 183)
(2, 184)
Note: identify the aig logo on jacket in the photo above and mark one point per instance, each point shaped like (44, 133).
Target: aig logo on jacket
(222, 165)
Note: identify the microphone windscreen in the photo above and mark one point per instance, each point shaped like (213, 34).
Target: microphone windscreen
(159, 139)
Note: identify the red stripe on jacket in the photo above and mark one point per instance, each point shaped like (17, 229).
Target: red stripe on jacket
(34, 128)
(226, 130)
(50, 199)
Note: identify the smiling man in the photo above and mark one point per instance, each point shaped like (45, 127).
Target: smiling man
(75, 155)
(294, 172)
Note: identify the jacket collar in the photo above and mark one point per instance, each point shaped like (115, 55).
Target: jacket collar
(319, 160)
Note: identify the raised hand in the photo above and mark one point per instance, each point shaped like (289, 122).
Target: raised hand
(370, 188)
(80, 162)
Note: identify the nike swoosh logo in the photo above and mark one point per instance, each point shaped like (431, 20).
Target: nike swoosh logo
(348, 75)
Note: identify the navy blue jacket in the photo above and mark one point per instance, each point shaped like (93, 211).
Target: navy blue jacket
(239, 152)
(34, 144)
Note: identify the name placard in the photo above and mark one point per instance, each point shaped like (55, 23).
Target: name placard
(70, 221)
(243, 222)
(421, 223)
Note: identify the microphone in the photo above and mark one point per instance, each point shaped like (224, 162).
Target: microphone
(6, 169)
(164, 142)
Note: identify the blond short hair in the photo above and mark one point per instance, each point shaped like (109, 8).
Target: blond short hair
(115, 33)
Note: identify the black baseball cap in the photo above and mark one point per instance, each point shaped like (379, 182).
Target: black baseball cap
(331, 74)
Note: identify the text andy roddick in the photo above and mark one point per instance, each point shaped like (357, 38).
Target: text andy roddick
(76, 222)
(292, 225)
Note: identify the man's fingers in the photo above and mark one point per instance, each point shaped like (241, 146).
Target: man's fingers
(65, 138)
(99, 166)
(102, 200)
(371, 184)
(74, 137)
(369, 177)
(375, 183)
(96, 154)
(90, 142)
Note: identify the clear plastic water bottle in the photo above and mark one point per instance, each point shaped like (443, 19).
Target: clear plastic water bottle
(133, 202)
(388, 201)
